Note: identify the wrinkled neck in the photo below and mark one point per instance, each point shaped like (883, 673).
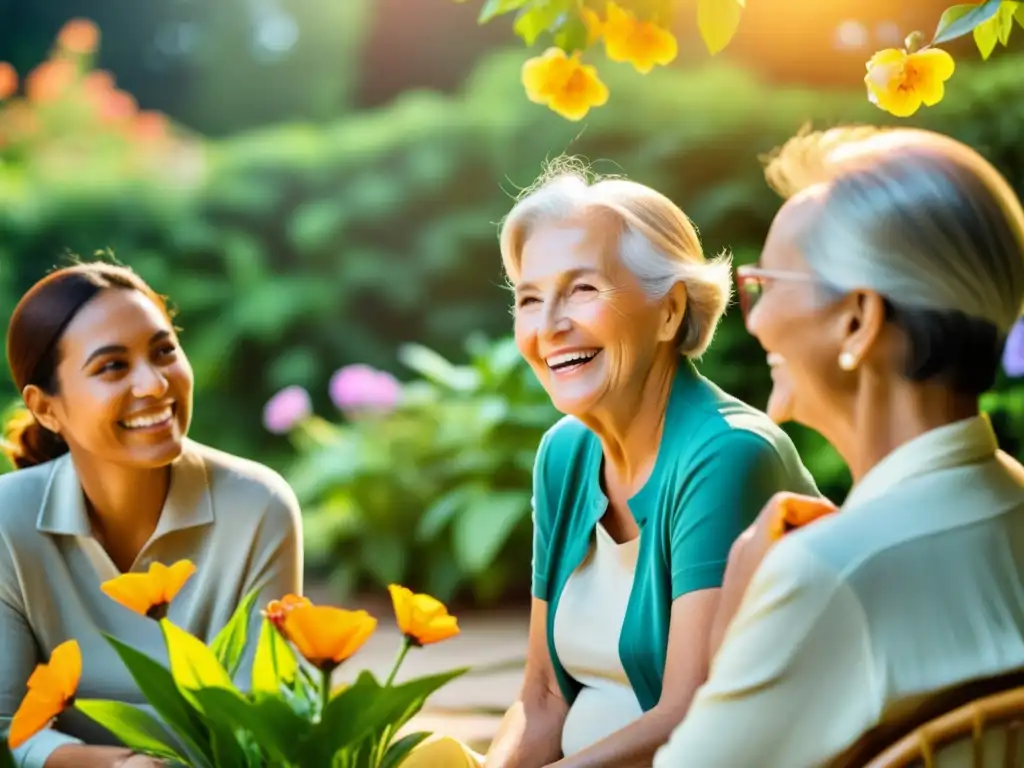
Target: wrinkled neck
(887, 413)
(630, 425)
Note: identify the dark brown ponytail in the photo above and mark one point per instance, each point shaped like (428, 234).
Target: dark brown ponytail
(33, 346)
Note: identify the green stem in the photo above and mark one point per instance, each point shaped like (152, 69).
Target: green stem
(325, 690)
(398, 661)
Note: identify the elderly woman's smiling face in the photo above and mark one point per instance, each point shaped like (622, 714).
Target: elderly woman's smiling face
(582, 319)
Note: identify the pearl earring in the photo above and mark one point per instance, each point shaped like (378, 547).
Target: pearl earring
(847, 361)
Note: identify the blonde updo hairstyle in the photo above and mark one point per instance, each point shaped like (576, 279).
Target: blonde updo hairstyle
(655, 240)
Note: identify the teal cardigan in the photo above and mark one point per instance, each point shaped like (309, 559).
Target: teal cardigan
(718, 463)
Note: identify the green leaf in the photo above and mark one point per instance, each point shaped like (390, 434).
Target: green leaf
(6, 758)
(367, 711)
(157, 685)
(193, 664)
(1005, 20)
(484, 526)
(278, 730)
(429, 364)
(445, 508)
(543, 16)
(1019, 14)
(398, 751)
(958, 20)
(275, 663)
(494, 8)
(573, 35)
(229, 644)
(136, 729)
(986, 36)
(718, 21)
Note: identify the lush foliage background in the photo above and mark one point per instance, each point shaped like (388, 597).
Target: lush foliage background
(294, 249)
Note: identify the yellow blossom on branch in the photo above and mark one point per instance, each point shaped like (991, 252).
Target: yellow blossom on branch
(563, 83)
(641, 43)
(900, 82)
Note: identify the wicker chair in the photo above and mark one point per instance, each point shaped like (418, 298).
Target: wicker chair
(976, 724)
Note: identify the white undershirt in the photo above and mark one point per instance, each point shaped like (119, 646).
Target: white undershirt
(588, 623)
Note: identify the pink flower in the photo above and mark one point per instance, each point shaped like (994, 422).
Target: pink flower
(362, 388)
(286, 409)
(1013, 352)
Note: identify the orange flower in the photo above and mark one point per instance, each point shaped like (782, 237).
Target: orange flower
(900, 82)
(51, 688)
(49, 81)
(149, 593)
(327, 636)
(79, 36)
(563, 84)
(8, 80)
(797, 511)
(421, 618)
(642, 43)
(116, 106)
(276, 610)
(150, 126)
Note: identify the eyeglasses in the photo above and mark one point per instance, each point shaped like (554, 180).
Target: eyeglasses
(751, 280)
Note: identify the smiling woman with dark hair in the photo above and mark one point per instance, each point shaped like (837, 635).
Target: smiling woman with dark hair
(107, 483)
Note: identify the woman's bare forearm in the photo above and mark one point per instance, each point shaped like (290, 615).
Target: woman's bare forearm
(83, 756)
(530, 734)
(631, 747)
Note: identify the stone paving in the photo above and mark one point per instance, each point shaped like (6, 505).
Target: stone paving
(492, 643)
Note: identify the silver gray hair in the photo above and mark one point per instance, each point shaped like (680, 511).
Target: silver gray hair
(657, 242)
(918, 217)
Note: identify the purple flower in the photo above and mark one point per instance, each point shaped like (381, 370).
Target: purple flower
(356, 388)
(286, 409)
(1013, 352)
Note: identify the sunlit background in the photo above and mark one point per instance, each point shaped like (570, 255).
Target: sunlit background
(317, 185)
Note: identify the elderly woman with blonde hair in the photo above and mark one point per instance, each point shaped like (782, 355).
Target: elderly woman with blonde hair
(640, 491)
(887, 287)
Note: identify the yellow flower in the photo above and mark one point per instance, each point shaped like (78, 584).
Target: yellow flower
(51, 688)
(563, 84)
(327, 636)
(900, 82)
(642, 43)
(149, 593)
(592, 21)
(421, 618)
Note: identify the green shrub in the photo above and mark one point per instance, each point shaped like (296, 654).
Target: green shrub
(437, 493)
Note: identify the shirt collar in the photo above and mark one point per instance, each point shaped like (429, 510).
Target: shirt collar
(189, 502)
(951, 445)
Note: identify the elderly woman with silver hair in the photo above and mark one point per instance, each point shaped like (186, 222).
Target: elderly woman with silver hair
(640, 491)
(887, 286)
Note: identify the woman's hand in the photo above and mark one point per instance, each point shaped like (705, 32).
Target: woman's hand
(783, 513)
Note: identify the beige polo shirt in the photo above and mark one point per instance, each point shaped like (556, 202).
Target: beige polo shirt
(914, 587)
(236, 520)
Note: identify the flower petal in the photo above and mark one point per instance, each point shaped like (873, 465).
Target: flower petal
(887, 56)
(327, 636)
(938, 63)
(931, 91)
(34, 714)
(175, 578)
(132, 590)
(66, 667)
